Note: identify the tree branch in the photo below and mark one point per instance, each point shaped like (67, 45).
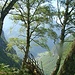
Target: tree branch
(59, 12)
(36, 9)
(33, 30)
(36, 42)
(22, 13)
(33, 38)
(71, 10)
(7, 9)
(69, 28)
(22, 35)
(4, 5)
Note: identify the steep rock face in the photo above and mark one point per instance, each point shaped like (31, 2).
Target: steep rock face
(4, 58)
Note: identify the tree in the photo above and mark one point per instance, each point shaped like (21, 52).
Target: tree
(67, 25)
(34, 16)
(5, 10)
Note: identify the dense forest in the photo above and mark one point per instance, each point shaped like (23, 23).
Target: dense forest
(41, 24)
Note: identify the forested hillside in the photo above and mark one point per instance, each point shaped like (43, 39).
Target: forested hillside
(8, 57)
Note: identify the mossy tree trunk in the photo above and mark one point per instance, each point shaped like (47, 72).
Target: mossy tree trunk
(68, 68)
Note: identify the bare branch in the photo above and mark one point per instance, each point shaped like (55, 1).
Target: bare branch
(22, 47)
(23, 19)
(59, 12)
(69, 33)
(22, 13)
(36, 9)
(69, 28)
(7, 9)
(4, 5)
(32, 4)
(36, 42)
(71, 11)
(33, 30)
(33, 38)
(11, 13)
(21, 7)
(22, 35)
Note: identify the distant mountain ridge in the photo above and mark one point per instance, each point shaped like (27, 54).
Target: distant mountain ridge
(49, 61)
(4, 58)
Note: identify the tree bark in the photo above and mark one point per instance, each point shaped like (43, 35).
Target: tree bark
(1, 25)
(28, 35)
(68, 67)
(4, 12)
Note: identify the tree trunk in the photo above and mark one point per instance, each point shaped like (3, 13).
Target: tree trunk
(60, 52)
(68, 67)
(4, 12)
(28, 35)
(62, 38)
(1, 26)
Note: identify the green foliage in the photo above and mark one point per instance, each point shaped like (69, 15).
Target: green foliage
(21, 30)
(6, 70)
(42, 43)
(14, 57)
(24, 72)
(9, 46)
(40, 31)
(40, 16)
(20, 43)
(7, 57)
(52, 34)
(16, 5)
(43, 15)
(19, 17)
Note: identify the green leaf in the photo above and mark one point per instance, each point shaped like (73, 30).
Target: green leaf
(52, 34)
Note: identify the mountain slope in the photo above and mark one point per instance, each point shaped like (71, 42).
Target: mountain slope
(4, 57)
(49, 61)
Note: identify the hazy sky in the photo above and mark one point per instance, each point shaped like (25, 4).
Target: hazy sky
(10, 28)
